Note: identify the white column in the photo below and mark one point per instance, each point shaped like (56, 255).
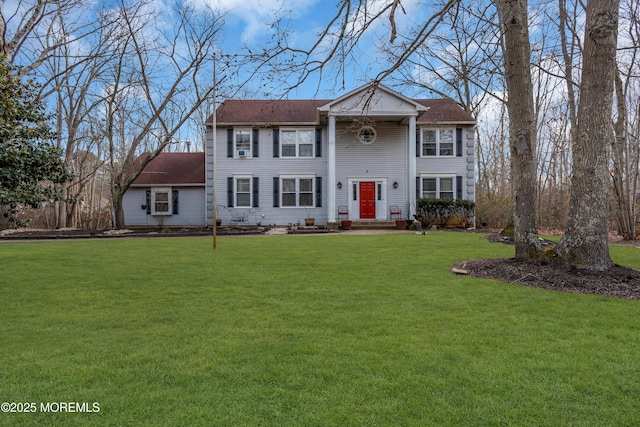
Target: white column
(331, 170)
(411, 172)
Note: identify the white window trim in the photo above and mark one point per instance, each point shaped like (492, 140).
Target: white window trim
(249, 153)
(154, 192)
(422, 142)
(235, 191)
(298, 178)
(438, 177)
(297, 144)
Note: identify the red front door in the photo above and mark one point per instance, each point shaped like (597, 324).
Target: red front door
(368, 200)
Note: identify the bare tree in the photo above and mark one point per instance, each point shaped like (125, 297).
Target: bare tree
(585, 242)
(155, 85)
(25, 23)
(461, 60)
(513, 16)
(72, 74)
(625, 152)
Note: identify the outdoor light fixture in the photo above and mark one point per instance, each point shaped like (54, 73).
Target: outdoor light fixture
(395, 184)
(339, 185)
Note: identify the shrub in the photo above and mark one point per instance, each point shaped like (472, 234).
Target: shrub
(445, 212)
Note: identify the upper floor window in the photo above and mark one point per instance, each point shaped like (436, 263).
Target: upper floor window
(297, 142)
(438, 142)
(242, 143)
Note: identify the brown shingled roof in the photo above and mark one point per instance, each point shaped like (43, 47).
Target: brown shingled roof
(269, 111)
(443, 110)
(173, 169)
(263, 112)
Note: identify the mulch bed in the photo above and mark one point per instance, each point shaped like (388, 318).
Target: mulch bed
(621, 282)
(69, 233)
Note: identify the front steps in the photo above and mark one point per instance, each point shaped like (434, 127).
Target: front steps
(373, 225)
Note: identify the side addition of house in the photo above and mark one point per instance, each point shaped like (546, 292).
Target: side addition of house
(169, 192)
(368, 155)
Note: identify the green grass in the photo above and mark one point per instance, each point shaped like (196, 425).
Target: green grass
(328, 330)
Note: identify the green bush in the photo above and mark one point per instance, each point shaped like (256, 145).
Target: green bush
(445, 211)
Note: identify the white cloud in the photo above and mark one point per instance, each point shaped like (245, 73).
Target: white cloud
(257, 15)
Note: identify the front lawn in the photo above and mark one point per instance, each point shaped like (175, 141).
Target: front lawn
(328, 330)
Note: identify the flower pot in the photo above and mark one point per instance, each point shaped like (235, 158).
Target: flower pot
(346, 224)
(309, 222)
(218, 222)
(401, 224)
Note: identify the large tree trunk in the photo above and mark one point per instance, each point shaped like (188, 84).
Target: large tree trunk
(522, 125)
(118, 210)
(585, 242)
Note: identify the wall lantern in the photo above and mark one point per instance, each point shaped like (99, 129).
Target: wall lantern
(395, 184)
(339, 185)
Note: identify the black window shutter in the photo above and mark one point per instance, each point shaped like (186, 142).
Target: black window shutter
(256, 192)
(230, 191)
(276, 142)
(255, 149)
(418, 142)
(418, 188)
(148, 202)
(459, 142)
(276, 191)
(174, 199)
(229, 142)
(318, 191)
(318, 142)
(459, 187)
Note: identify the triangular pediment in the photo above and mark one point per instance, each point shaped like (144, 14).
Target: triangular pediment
(373, 100)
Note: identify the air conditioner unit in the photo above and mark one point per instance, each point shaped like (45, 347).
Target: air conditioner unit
(242, 153)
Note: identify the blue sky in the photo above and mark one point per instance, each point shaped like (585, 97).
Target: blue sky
(248, 22)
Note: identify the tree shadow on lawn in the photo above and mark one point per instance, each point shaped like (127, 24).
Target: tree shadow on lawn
(619, 281)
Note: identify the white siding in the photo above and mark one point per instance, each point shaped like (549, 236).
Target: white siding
(265, 167)
(191, 212)
(386, 159)
(459, 166)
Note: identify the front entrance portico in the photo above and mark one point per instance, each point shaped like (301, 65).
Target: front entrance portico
(391, 157)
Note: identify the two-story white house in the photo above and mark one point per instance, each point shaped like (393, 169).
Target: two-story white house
(368, 154)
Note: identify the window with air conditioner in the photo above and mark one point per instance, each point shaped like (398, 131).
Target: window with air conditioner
(242, 143)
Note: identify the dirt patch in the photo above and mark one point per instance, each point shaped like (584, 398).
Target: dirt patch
(621, 282)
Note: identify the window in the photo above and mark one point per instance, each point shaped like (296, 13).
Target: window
(367, 135)
(161, 201)
(242, 143)
(297, 191)
(242, 192)
(438, 142)
(297, 142)
(438, 187)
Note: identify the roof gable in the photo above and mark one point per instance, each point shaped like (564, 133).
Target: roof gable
(373, 99)
(173, 169)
